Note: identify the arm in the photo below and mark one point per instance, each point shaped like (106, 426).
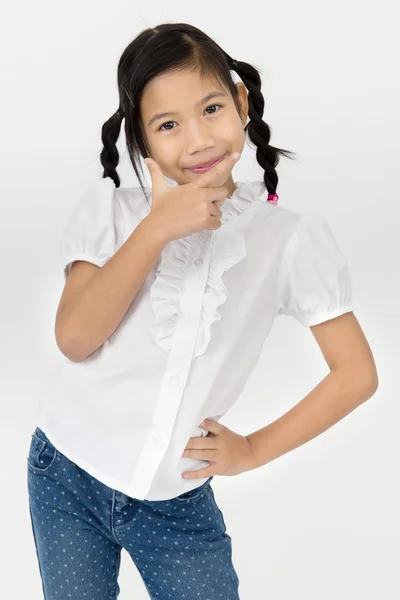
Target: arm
(88, 314)
(352, 380)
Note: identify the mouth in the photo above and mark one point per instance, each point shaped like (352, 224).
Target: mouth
(206, 166)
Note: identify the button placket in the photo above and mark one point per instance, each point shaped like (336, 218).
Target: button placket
(158, 442)
(197, 261)
(176, 373)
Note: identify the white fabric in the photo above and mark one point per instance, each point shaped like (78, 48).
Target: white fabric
(315, 282)
(192, 336)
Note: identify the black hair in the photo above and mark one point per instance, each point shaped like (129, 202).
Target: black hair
(173, 47)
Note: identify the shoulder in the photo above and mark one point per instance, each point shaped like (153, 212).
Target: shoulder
(277, 219)
(289, 222)
(309, 225)
(133, 200)
(102, 203)
(105, 188)
(296, 233)
(311, 240)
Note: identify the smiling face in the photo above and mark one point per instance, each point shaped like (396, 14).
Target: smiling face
(193, 129)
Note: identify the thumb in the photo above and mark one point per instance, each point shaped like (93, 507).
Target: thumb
(157, 177)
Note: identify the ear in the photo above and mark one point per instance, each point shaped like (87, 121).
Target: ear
(243, 101)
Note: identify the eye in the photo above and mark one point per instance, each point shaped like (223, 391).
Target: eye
(211, 105)
(167, 123)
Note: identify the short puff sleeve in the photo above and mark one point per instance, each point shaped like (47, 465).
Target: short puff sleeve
(90, 231)
(314, 281)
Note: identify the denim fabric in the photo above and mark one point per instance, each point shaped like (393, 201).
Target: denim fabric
(179, 546)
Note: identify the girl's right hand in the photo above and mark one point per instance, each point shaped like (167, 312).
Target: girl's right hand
(182, 210)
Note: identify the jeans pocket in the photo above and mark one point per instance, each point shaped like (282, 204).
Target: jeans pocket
(42, 453)
(195, 492)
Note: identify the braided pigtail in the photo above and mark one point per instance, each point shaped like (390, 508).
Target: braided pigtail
(258, 130)
(109, 156)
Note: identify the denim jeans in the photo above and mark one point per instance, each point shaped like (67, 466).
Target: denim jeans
(179, 546)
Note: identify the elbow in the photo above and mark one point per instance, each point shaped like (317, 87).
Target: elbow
(366, 387)
(70, 353)
(373, 384)
(370, 383)
(371, 378)
(69, 348)
(363, 379)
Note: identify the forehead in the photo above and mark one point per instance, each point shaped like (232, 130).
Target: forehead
(181, 88)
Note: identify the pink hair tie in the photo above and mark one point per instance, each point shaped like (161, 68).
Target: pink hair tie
(273, 199)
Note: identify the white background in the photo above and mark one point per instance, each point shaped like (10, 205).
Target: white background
(321, 521)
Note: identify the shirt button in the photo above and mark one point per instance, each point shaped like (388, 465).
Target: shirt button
(174, 378)
(157, 442)
(204, 235)
(187, 318)
(198, 261)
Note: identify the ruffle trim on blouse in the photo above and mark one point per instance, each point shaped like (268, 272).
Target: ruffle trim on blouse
(228, 248)
(227, 251)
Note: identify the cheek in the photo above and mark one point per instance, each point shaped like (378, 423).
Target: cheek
(232, 131)
(166, 150)
(161, 156)
(167, 161)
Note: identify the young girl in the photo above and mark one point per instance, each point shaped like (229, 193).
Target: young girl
(170, 293)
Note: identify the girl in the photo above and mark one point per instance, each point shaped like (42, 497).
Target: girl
(170, 293)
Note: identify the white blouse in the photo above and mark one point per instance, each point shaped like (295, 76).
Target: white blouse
(191, 337)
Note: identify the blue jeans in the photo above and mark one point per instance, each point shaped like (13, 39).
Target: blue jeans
(179, 546)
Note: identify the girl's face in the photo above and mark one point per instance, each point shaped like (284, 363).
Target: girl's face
(192, 130)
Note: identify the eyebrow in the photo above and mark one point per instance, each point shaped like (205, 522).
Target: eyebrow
(202, 101)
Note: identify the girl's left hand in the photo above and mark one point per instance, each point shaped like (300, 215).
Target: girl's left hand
(227, 452)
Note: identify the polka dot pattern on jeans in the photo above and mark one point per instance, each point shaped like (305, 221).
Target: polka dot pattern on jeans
(179, 546)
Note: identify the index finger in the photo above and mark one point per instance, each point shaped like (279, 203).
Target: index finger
(224, 166)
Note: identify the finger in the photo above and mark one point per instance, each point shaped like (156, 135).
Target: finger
(215, 211)
(157, 178)
(212, 425)
(201, 443)
(201, 454)
(197, 474)
(218, 195)
(218, 204)
(222, 168)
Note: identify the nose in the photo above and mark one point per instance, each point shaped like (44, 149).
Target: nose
(198, 138)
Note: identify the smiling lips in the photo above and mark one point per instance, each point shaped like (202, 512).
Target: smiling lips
(205, 166)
